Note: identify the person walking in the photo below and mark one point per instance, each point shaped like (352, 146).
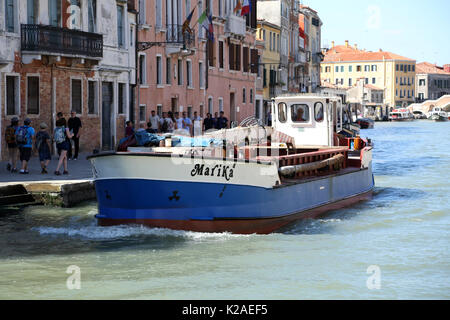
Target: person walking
(216, 120)
(74, 125)
(166, 123)
(11, 143)
(187, 123)
(61, 136)
(25, 140)
(43, 147)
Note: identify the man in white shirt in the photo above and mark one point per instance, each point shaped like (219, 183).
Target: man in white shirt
(155, 122)
(197, 120)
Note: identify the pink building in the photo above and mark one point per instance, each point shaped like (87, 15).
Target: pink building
(189, 72)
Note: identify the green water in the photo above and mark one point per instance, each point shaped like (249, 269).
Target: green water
(403, 231)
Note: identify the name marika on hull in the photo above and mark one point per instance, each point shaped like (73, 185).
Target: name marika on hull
(223, 171)
(311, 160)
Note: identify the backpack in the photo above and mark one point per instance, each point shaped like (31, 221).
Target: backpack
(60, 134)
(22, 135)
(10, 135)
(165, 126)
(39, 140)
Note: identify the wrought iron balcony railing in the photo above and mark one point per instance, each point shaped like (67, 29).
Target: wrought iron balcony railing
(175, 35)
(42, 38)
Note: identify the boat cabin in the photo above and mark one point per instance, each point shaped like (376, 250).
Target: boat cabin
(310, 120)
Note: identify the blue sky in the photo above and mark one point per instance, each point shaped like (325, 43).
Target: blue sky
(416, 29)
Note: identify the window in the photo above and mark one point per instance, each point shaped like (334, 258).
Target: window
(92, 97)
(76, 96)
(12, 95)
(350, 68)
(366, 68)
(211, 53)
(358, 68)
(337, 69)
(318, 111)
(168, 71)
(409, 67)
(32, 11)
(201, 75)
(221, 54)
(374, 68)
(342, 68)
(220, 104)
(92, 15)
(189, 74)
(350, 82)
(158, 70)
(282, 111)
(120, 27)
(159, 110)
(300, 113)
(142, 112)
(189, 112)
(10, 21)
(210, 105)
(142, 69)
(367, 80)
(373, 80)
(396, 67)
(245, 59)
(251, 95)
(142, 15)
(180, 72)
(159, 14)
(121, 103)
(243, 95)
(33, 95)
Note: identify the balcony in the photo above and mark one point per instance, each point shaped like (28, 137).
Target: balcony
(174, 35)
(235, 25)
(51, 40)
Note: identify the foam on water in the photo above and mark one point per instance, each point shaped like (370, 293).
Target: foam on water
(94, 232)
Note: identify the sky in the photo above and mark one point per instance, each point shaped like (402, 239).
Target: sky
(416, 29)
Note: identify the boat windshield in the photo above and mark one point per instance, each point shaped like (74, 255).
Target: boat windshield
(300, 113)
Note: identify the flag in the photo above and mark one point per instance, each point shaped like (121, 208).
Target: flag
(186, 24)
(246, 7)
(238, 7)
(203, 21)
(210, 28)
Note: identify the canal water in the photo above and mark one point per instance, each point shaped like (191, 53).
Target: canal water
(395, 246)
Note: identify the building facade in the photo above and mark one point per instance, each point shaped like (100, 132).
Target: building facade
(59, 56)
(188, 72)
(310, 27)
(344, 65)
(432, 82)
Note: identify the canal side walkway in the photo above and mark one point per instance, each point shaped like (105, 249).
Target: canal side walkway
(49, 189)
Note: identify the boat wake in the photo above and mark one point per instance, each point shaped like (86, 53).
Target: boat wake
(97, 233)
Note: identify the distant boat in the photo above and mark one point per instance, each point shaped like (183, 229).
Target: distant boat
(401, 115)
(437, 114)
(419, 115)
(365, 123)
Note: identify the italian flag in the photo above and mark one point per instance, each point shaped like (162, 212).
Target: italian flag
(246, 7)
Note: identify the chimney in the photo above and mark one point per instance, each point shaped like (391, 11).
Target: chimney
(381, 50)
(356, 46)
(332, 44)
(447, 68)
(346, 43)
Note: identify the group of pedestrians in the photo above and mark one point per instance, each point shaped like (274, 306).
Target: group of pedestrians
(170, 122)
(23, 141)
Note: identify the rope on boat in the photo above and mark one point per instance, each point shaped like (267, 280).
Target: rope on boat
(291, 170)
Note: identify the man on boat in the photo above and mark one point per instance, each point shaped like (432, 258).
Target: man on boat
(222, 121)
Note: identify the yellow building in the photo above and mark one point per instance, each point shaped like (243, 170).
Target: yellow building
(270, 34)
(344, 65)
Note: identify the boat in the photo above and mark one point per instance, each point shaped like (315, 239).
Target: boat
(437, 114)
(245, 180)
(366, 123)
(418, 115)
(401, 115)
